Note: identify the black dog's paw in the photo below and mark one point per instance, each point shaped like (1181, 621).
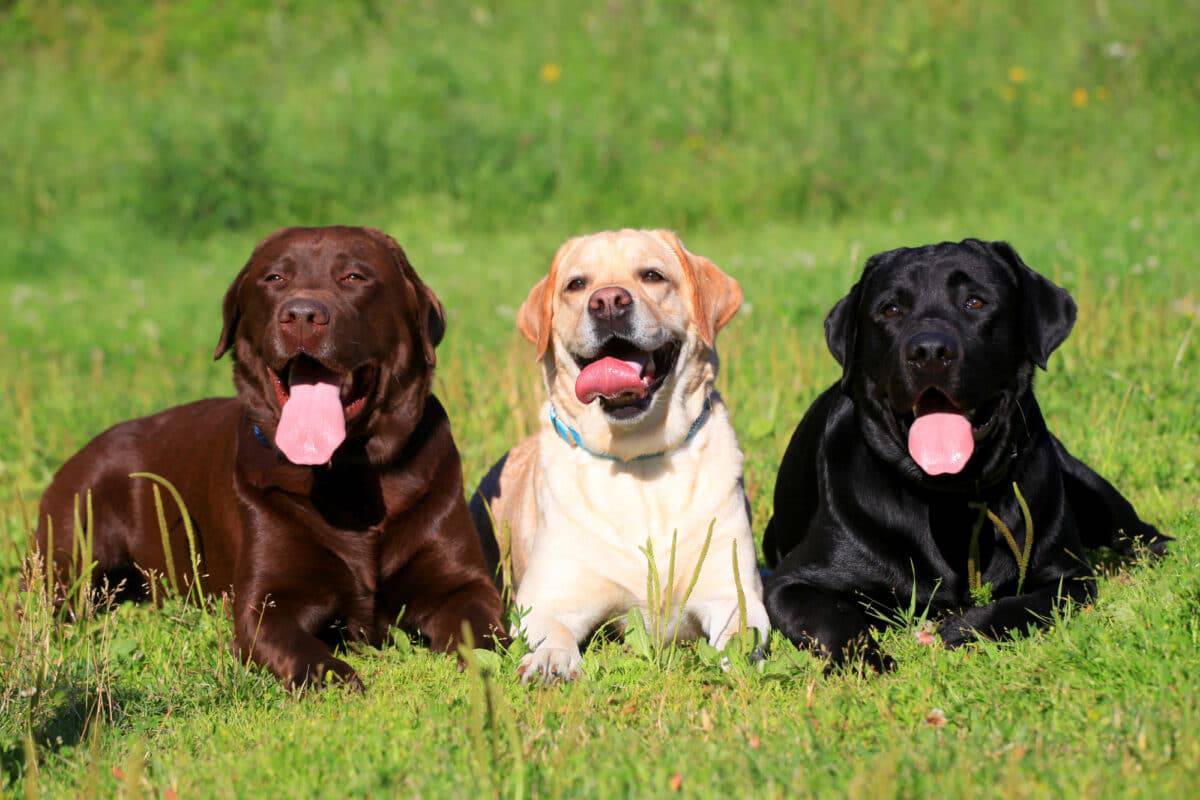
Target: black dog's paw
(957, 630)
(1141, 539)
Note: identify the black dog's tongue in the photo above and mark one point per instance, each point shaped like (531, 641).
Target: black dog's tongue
(941, 443)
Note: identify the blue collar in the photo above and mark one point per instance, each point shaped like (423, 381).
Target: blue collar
(260, 436)
(572, 437)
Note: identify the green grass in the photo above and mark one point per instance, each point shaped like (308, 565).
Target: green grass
(147, 148)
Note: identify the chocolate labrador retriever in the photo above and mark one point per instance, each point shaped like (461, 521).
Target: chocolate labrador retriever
(928, 470)
(327, 495)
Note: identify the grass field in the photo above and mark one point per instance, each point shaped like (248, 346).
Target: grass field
(147, 148)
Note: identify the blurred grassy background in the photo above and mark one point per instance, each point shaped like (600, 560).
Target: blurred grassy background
(186, 119)
(145, 148)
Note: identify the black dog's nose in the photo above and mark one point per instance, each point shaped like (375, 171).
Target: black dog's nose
(609, 303)
(304, 309)
(931, 350)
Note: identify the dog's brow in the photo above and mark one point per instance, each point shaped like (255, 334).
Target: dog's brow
(959, 278)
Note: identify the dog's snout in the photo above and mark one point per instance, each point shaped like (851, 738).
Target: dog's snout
(304, 310)
(609, 303)
(931, 350)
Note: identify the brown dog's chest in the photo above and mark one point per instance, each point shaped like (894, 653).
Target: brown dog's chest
(348, 529)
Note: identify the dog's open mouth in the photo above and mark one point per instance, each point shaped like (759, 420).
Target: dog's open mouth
(623, 376)
(942, 435)
(315, 402)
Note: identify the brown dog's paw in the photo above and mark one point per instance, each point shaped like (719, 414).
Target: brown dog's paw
(332, 673)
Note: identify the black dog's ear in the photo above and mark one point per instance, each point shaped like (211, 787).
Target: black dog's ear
(841, 330)
(1047, 310)
(841, 324)
(232, 313)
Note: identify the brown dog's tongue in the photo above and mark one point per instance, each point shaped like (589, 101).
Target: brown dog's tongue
(313, 423)
(941, 444)
(610, 378)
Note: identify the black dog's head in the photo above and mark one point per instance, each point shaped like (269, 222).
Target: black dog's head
(938, 346)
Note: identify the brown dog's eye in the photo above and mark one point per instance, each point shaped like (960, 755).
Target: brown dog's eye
(576, 284)
(652, 276)
(891, 310)
(975, 303)
(354, 277)
(274, 277)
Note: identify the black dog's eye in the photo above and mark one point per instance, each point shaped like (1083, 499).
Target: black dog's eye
(975, 303)
(652, 276)
(576, 284)
(354, 277)
(890, 310)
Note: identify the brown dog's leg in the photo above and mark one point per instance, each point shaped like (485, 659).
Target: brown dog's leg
(269, 633)
(475, 604)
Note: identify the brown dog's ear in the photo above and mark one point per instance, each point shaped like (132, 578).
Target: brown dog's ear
(435, 320)
(231, 312)
(715, 296)
(430, 312)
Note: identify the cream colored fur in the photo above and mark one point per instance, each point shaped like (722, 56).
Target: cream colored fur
(578, 523)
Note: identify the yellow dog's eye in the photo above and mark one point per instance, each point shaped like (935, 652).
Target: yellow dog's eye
(652, 276)
(576, 284)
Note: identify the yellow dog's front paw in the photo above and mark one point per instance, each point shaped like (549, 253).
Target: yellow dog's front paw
(550, 665)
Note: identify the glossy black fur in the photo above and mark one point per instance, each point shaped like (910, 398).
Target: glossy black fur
(859, 527)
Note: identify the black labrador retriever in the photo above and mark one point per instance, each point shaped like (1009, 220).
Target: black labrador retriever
(927, 472)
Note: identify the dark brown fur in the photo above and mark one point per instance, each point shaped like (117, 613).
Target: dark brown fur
(311, 554)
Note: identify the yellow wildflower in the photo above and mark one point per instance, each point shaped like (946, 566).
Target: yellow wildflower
(550, 72)
(1017, 74)
(1079, 97)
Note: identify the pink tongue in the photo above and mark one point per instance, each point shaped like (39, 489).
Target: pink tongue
(312, 424)
(610, 378)
(941, 444)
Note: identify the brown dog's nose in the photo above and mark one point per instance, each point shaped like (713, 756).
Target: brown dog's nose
(610, 302)
(304, 309)
(931, 350)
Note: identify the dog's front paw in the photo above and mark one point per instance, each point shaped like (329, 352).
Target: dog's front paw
(333, 672)
(956, 631)
(550, 665)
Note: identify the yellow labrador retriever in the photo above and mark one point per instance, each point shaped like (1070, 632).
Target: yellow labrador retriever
(635, 445)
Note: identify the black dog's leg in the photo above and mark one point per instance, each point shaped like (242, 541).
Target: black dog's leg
(1105, 518)
(831, 625)
(1008, 614)
(489, 490)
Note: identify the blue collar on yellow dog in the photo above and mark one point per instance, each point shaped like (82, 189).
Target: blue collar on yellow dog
(572, 437)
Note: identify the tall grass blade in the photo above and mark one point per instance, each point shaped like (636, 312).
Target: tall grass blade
(188, 530)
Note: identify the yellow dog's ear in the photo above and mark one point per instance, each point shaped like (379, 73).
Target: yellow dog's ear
(535, 318)
(715, 297)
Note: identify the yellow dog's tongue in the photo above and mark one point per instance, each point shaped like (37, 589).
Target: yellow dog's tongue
(941, 444)
(611, 378)
(312, 424)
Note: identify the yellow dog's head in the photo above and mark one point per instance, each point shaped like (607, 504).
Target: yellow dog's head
(625, 325)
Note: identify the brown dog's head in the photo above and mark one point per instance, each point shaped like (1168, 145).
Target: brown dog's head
(333, 336)
(625, 325)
